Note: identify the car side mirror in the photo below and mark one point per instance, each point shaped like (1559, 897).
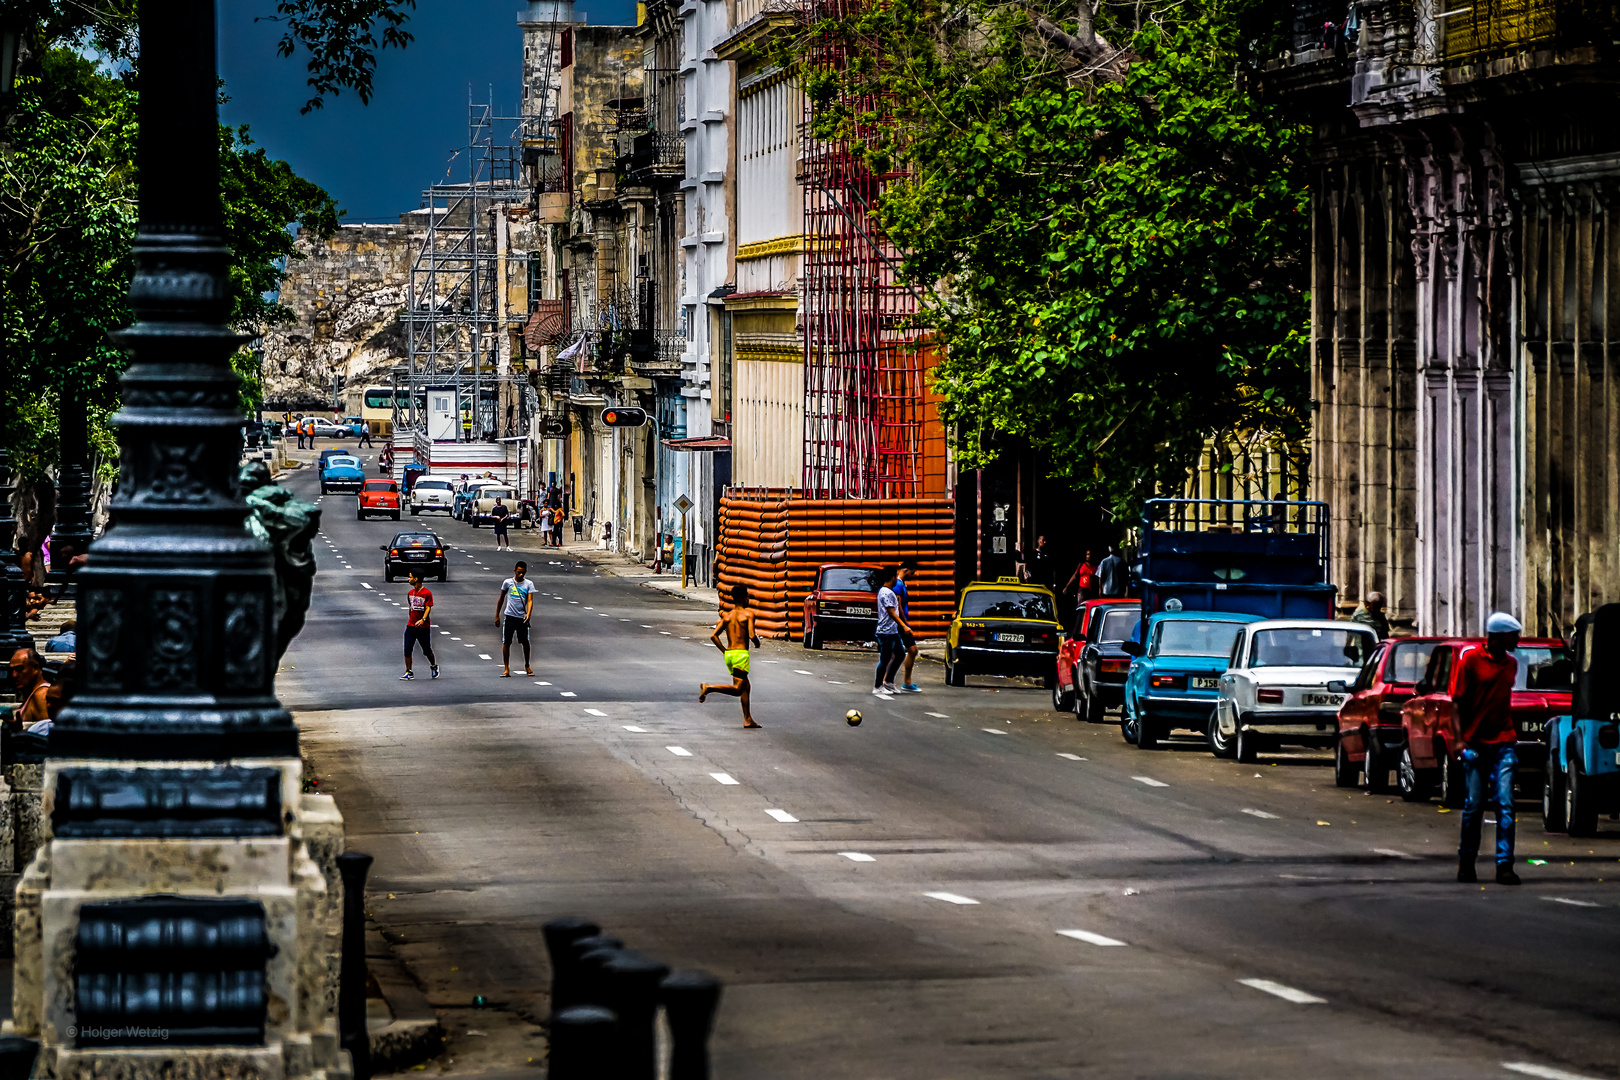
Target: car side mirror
(382, 547)
(1132, 648)
(1337, 686)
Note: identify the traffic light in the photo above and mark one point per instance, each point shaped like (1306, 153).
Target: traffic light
(619, 417)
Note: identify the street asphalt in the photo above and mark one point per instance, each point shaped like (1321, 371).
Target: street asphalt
(966, 885)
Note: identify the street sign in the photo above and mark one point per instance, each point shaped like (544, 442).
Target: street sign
(683, 504)
(553, 427)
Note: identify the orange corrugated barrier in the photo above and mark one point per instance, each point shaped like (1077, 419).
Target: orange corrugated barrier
(775, 544)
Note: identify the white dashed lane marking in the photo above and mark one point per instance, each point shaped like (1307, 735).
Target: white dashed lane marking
(1391, 852)
(1089, 937)
(596, 712)
(993, 731)
(724, 778)
(782, 816)
(365, 584)
(940, 715)
(537, 682)
(801, 671)
(569, 693)
(1071, 757)
(1260, 814)
(1546, 1072)
(1287, 993)
(632, 727)
(1149, 781)
(857, 856)
(950, 897)
(1571, 902)
(485, 656)
(679, 751)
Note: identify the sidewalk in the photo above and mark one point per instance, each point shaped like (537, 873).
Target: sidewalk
(613, 563)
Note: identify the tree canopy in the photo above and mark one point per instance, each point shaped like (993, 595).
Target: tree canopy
(1107, 230)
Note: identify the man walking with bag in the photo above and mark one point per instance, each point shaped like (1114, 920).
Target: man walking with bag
(1484, 712)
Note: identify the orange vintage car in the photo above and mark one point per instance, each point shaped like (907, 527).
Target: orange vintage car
(379, 497)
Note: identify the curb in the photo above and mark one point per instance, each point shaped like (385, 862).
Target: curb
(415, 1035)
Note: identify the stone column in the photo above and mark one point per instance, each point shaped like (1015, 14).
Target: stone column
(178, 848)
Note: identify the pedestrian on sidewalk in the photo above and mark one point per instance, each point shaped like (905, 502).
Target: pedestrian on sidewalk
(499, 517)
(1370, 612)
(298, 429)
(556, 528)
(891, 626)
(907, 638)
(29, 683)
(512, 611)
(545, 526)
(1111, 577)
(1083, 582)
(1484, 713)
(738, 625)
(419, 626)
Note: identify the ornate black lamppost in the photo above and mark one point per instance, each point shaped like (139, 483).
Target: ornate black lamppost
(72, 532)
(176, 643)
(13, 590)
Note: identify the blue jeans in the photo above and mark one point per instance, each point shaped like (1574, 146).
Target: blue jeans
(1488, 768)
(891, 650)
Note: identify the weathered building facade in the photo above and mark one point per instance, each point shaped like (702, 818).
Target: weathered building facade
(1465, 426)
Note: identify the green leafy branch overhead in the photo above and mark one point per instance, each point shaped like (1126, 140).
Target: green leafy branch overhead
(1108, 232)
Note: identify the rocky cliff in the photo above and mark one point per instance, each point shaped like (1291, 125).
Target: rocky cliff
(347, 293)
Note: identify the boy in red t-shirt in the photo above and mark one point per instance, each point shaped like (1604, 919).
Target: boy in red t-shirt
(1489, 754)
(419, 626)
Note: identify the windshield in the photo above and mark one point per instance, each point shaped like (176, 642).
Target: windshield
(847, 579)
(1410, 661)
(1311, 647)
(379, 399)
(1190, 637)
(1543, 668)
(415, 539)
(997, 604)
(1118, 624)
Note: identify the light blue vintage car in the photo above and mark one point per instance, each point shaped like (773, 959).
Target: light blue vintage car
(1583, 748)
(340, 473)
(1175, 675)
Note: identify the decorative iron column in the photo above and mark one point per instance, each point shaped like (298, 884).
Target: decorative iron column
(176, 646)
(72, 533)
(13, 590)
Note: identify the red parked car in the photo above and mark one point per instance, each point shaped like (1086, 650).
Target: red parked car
(1542, 690)
(842, 606)
(378, 497)
(1091, 667)
(1370, 718)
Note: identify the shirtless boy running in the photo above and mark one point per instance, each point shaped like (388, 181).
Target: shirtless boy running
(739, 627)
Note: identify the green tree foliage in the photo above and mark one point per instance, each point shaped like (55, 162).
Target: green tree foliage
(1107, 231)
(68, 214)
(342, 40)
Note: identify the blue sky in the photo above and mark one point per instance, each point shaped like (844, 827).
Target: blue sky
(376, 159)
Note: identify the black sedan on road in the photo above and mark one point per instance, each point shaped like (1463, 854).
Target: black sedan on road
(420, 551)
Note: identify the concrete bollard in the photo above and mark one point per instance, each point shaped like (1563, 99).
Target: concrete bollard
(582, 1044)
(17, 1057)
(560, 935)
(584, 989)
(631, 983)
(690, 999)
(352, 1033)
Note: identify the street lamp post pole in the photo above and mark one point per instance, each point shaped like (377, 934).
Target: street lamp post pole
(177, 647)
(13, 590)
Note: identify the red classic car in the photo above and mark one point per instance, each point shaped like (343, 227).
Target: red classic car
(378, 497)
(1370, 718)
(842, 606)
(1091, 667)
(1542, 690)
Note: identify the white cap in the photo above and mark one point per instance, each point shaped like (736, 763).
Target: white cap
(1503, 623)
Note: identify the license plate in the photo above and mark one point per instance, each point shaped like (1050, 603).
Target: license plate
(859, 611)
(416, 554)
(1323, 699)
(1206, 682)
(1011, 639)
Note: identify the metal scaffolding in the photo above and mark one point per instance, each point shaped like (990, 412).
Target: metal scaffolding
(863, 385)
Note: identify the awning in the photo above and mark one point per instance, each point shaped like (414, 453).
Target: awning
(699, 442)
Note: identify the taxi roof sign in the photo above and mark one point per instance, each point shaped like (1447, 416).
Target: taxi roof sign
(1008, 579)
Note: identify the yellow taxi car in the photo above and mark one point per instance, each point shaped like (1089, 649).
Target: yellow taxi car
(1003, 627)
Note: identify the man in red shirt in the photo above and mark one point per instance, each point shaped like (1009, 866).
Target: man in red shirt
(419, 626)
(1484, 712)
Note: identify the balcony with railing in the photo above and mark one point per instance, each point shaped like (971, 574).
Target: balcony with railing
(1487, 30)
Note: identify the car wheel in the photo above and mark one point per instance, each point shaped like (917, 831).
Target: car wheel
(444, 575)
(1452, 788)
(1554, 811)
(1411, 785)
(388, 575)
(1345, 771)
(396, 515)
(1147, 731)
(1220, 744)
(1062, 700)
(1248, 744)
(323, 489)
(1374, 766)
(359, 515)
(954, 675)
(812, 638)
(416, 511)
(1580, 809)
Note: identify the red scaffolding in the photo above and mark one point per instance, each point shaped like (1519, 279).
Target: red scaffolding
(863, 383)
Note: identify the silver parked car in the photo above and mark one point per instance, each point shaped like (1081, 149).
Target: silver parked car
(1275, 689)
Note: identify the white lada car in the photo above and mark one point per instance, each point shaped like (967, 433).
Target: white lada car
(1275, 690)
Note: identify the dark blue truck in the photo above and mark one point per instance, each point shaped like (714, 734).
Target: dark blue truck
(1249, 557)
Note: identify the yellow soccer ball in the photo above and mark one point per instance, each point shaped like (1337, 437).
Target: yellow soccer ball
(853, 718)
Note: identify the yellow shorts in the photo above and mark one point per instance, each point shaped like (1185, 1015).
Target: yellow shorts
(737, 661)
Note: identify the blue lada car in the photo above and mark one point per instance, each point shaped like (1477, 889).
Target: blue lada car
(340, 473)
(1175, 676)
(1583, 748)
